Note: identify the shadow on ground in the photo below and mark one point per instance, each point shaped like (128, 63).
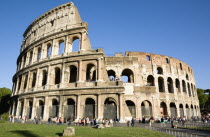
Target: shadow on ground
(59, 134)
(24, 133)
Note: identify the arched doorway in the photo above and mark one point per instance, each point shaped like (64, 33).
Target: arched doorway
(40, 109)
(29, 109)
(89, 108)
(55, 108)
(132, 108)
(69, 110)
(192, 111)
(181, 110)
(163, 109)
(110, 109)
(21, 108)
(173, 110)
(146, 109)
(187, 111)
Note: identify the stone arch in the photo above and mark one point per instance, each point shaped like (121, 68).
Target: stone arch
(189, 90)
(132, 108)
(110, 108)
(191, 111)
(44, 77)
(54, 110)
(160, 70)
(178, 85)
(150, 81)
(91, 72)
(173, 110)
(89, 108)
(163, 109)
(181, 110)
(127, 76)
(26, 81)
(187, 111)
(49, 50)
(33, 79)
(40, 109)
(69, 110)
(61, 44)
(161, 84)
(73, 74)
(146, 108)
(111, 75)
(187, 77)
(29, 109)
(170, 85)
(76, 44)
(57, 73)
(184, 86)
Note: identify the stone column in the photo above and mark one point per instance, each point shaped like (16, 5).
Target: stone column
(48, 77)
(61, 110)
(62, 84)
(80, 72)
(99, 106)
(46, 108)
(100, 69)
(25, 108)
(37, 80)
(33, 114)
(68, 46)
(82, 46)
(78, 107)
(121, 112)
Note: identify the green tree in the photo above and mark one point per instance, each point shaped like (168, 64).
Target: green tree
(4, 100)
(203, 98)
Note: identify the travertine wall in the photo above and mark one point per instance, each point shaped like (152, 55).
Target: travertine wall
(53, 80)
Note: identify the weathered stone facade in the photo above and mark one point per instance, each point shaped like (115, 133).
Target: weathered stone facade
(53, 80)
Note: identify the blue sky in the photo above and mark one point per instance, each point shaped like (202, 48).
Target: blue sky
(176, 28)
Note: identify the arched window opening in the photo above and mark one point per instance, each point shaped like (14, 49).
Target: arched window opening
(61, 47)
(184, 86)
(148, 58)
(163, 109)
(187, 77)
(150, 81)
(76, 44)
(19, 82)
(189, 90)
(170, 85)
(167, 60)
(110, 109)
(34, 80)
(49, 50)
(44, 77)
(178, 85)
(57, 76)
(69, 110)
(39, 52)
(30, 57)
(73, 74)
(24, 61)
(132, 108)
(91, 72)
(181, 110)
(180, 65)
(192, 89)
(21, 108)
(159, 70)
(26, 81)
(173, 110)
(127, 76)
(89, 108)
(111, 75)
(146, 109)
(161, 84)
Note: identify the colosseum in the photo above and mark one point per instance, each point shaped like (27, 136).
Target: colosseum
(60, 75)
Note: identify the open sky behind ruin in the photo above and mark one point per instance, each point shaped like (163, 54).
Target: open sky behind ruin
(176, 28)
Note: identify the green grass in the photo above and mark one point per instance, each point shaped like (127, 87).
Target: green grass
(30, 130)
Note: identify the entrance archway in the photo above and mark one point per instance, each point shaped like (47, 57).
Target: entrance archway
(89, 108)
(131, 107)
(146, 109)
(69, 110)
(110, 109)
(40, 109)
(163, 109)
(173, 110)
(181, 110)
(55, 108)
(29, 109)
